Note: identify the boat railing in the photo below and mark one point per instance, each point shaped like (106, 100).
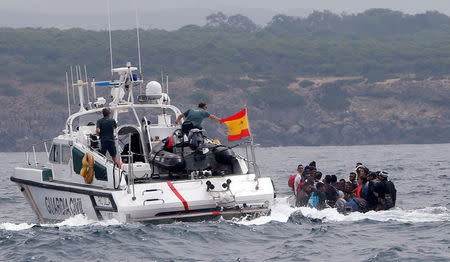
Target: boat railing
(34, 149)
(130, 172)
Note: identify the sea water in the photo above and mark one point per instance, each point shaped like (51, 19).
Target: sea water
(418, 229)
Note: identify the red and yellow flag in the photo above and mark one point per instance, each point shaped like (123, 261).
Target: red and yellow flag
(237, 126)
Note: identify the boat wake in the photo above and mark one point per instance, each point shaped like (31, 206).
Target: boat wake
(282, 212)
(75, 221)
(15, 227)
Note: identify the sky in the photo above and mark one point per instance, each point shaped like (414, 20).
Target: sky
(172, 14)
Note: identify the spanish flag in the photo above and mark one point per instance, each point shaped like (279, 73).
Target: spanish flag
(237, 126)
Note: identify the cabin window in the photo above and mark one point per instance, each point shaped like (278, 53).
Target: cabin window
(77, 159)
(55, 153)
(65, 154)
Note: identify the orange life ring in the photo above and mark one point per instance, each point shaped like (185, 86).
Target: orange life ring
(88, 168)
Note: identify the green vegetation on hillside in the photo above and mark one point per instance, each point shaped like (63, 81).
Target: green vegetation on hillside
(276, 98)
(8, 90)
(376, 44)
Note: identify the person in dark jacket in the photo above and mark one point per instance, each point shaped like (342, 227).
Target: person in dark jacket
(308, 174)
(330, 191)
(390, 191)
(334, 181)
(317, 177)
(304, 194)
(375, 192)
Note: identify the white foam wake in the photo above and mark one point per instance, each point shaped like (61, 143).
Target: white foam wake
(76, 221)
(15, 227)
(81, 220)
(428, 214)
(281, 211)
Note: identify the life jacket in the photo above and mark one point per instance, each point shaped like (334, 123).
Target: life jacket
(291, 182)
(358, 191)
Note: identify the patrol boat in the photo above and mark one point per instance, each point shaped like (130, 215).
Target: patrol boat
(163, 174)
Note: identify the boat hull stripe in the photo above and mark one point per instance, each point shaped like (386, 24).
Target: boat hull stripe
(175, 191)
(33, 203)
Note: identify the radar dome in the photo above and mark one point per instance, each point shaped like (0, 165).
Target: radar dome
(153, 90)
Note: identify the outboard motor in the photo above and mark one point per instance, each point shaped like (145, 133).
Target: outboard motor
(196, 138)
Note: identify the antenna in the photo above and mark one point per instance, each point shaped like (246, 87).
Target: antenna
(67, 89)
(162, 78)
(76, 73)
(109, 30)
(80, 80)
(138, 40)
(87, 83)
(167, 83)
(93, 88)
(73, 88)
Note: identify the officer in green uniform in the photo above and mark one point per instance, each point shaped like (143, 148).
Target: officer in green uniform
(105, 130)
(196, 116)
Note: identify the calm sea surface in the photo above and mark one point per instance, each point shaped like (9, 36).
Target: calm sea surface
(417, 230)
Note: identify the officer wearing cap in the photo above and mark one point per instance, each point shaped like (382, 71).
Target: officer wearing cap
(105, 130)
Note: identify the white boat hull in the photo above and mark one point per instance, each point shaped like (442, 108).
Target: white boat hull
(154, 201)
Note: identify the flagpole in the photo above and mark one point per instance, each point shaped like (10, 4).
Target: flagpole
(247, 158)
(252, 150)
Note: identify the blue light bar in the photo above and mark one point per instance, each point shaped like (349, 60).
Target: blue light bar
(106, 83)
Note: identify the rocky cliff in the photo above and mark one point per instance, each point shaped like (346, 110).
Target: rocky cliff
(304, 111)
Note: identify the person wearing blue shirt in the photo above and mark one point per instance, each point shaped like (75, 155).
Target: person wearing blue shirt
(363, 189)
(195, 117)
(351, 205)
(318, 197)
